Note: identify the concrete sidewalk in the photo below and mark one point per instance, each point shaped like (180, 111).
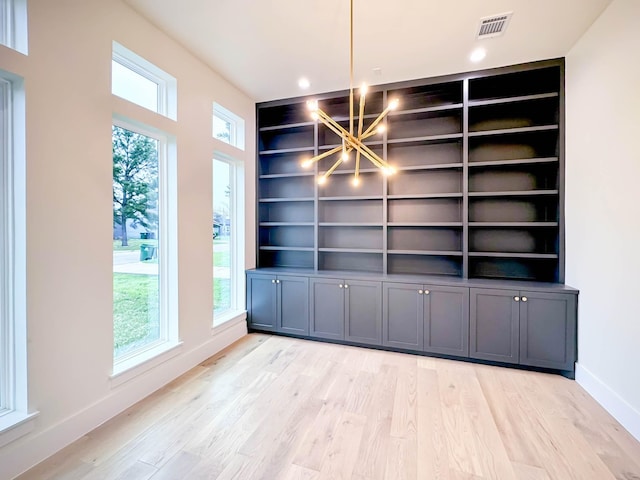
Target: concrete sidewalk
(129, 262)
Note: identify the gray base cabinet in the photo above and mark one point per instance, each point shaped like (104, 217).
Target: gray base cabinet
(529, 328)
(278, 303)
(426, 318)
(346, 310)
(535, 327)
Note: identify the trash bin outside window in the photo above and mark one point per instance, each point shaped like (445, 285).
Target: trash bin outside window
(147, 252)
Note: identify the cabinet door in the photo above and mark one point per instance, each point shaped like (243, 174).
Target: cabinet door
(402, 319)
(446, 320)
(327, 308)
(293, 304)
(494, 325)
(548, 330)
(363, 312)
(261, 302)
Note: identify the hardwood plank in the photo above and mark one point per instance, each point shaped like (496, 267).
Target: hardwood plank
(340, 457)
(527, 472)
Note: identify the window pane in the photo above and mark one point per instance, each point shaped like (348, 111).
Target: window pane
(133, 87)
(136, 283)
(5, 366)
(222, 129)
(222, 241)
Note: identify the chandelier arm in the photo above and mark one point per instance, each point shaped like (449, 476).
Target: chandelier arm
(333, 167)
(377, 121)
(369, 153)
(317, 158)
(360, 122)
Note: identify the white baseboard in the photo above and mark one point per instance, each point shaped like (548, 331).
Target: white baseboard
(613, 403)
(28, 451)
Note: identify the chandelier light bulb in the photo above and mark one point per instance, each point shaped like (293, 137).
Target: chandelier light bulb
(388, 171)
(312, 105)
(381, 128)
(364, 89)
(315, 116)
(394, 104)
(355, 182)
(322, 180)
(345, 157)
(305, 163)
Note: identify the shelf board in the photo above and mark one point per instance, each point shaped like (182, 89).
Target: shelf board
(514, 255)
(425, 195)
(440, 253)
(438, 108)
(291, 249)
(285, 199)
(351, 197)
(287, 126)
(424, 224)
(439, 166)
(426, 139)
(345, 224)
(286, 175)
(517, 193)
(513, 224)
(519, 161)
(350, 250)
(286, 224)
(522, 98)
(503, 131)
(286, 150)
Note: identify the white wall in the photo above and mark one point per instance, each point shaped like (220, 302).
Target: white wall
(69, 114)
(603, 207)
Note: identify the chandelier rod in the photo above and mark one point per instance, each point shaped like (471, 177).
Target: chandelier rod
(351, 71)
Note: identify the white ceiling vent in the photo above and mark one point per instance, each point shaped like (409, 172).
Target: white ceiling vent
(494, 25)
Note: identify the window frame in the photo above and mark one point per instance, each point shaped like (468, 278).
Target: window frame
(13, 25)
(236, 126)
(167, 255)
(237, 240)
(15, 418)
(167, 84)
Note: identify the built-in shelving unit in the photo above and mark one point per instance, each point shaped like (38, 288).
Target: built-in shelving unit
(477, 193)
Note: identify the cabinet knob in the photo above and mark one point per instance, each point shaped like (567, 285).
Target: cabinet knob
(517, 299)
(277, 281)
(346, 286)
(340, 285)
(420, 292)
(273, 281)
(524, 299)
(427, 292)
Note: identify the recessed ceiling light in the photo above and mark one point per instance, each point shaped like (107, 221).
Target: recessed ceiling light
(304, 83)
(478, 54)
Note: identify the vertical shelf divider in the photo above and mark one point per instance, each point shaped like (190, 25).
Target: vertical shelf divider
(465, 178)
(385, 192)
(316, 201)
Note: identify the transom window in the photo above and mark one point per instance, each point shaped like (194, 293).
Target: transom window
(141, 82)
(228, 127)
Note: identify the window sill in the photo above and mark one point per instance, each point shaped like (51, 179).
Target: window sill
(145, 361)
(228, 320)
(15, 425)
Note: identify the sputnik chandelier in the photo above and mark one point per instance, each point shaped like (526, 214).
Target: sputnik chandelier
(350, 140)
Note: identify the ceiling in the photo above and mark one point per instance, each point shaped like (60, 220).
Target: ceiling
(265, 46)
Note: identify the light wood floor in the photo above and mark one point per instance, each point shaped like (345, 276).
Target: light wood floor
(277, 408)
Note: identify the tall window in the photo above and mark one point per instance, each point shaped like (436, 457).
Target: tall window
(228, 244)
(141, 244)
(228, 127)
(13, 24)
(13, 323)
(141, 82)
